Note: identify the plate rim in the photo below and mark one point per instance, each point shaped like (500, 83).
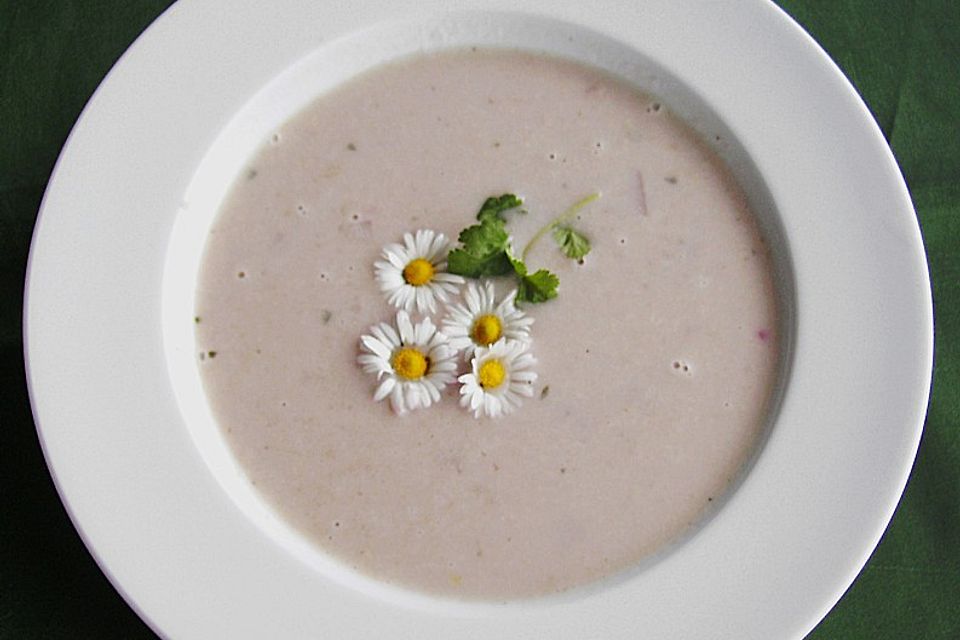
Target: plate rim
(167, 26)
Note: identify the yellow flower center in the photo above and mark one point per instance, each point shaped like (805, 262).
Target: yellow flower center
(409, 363)
(492, 374)
(418, 272)
(487, 330)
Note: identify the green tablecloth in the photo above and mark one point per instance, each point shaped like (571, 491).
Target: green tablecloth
(903, 56)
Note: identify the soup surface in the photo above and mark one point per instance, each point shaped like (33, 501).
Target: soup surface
(655, 362)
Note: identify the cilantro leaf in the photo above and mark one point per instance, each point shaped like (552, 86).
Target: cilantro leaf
(517, 264)
(464, 263)
(573, 243)
(539, 287)
(493, 207)
(487, 237)
(483, 251)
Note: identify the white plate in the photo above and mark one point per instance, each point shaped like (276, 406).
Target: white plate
(116, 248)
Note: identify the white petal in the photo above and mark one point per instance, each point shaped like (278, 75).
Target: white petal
(432, 389)
(466, 397)
(438, 380)
(446, 365)
(492, 405)
(410, 245)
(379, 368)
(422, 242)
(477, 399)
(459, 343)
(426, 397)
(396, 255)
(384, 389)
(448, 278)
(524, 376)
(472, 298)
(441, 378)
(402, 298)
(446, 369)
(425, 301)
(377, 331)
(424, 331)
(382, 268)
(458, 316)
(437, 291)
(437, 247)
(524, 361)
(390, 280)
(372, 363)
(522, 389)
(518, 326)
(375, 346)
(439, 340)
(412, 396)
(454, 329)
(488, 297)
(443, 358)
(387, 334)
(396, 400)
(405, 327)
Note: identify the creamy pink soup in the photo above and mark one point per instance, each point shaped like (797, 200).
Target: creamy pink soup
(656, 361)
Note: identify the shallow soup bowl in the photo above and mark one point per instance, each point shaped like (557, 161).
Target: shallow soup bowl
(149, 480)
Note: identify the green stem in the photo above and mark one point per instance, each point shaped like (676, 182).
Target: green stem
(563, 218)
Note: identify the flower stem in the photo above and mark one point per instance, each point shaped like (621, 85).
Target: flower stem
(563, 218)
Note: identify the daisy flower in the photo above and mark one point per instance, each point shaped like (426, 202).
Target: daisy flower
(413, 363)
(481, 322)
(413, 275)
(500, 376)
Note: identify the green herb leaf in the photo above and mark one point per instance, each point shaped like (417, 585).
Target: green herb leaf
(483, 251)
(494, 207)
(487, 237)
(539, 287)
(573, 243)
(468, 265)
(519, 267)
(563, 220)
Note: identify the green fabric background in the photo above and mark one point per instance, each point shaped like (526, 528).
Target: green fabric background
(904, 58)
